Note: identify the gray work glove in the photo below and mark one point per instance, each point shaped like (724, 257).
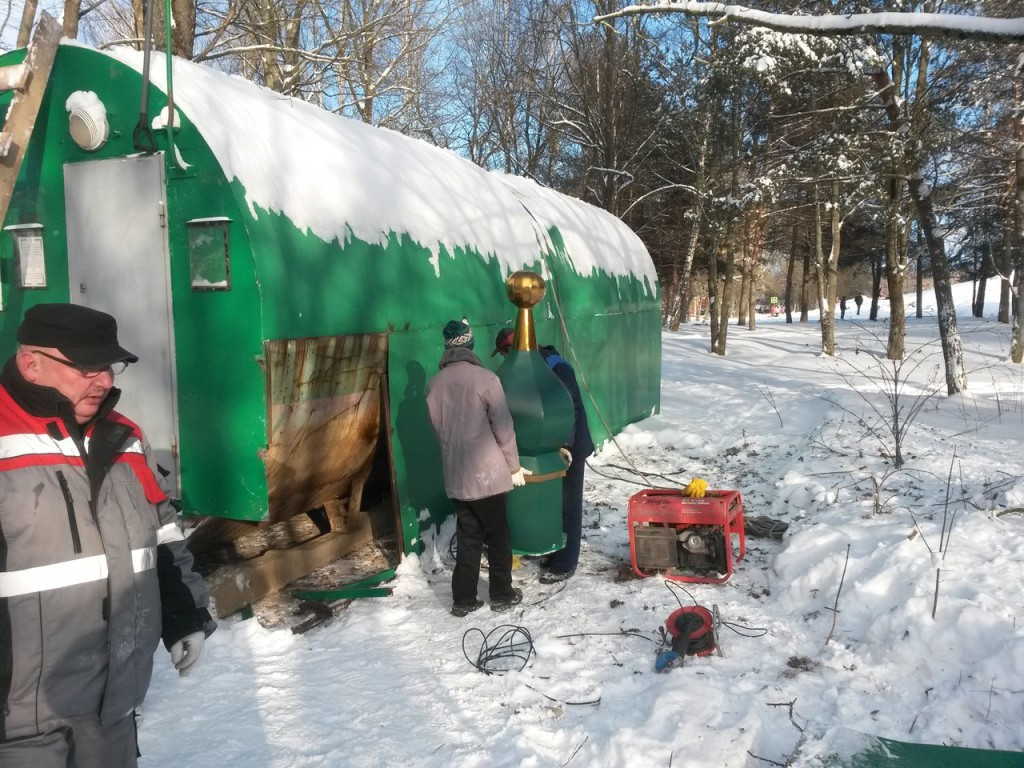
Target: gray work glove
(186, 652)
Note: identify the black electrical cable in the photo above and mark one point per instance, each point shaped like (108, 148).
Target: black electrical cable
(746, 630)
(547, 595)
(617, 478)
(563, 701)
(513, 645)
(673, 586)
(764, 527)
(620, 633)
(742, 630)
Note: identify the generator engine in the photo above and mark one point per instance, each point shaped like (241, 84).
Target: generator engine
(697, 550)
(686, 539)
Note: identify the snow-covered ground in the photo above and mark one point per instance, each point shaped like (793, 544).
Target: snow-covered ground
(388, 683)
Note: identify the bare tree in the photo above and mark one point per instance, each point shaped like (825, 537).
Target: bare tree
(929, 24)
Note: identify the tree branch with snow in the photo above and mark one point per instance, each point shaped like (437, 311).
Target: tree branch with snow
(925, 24)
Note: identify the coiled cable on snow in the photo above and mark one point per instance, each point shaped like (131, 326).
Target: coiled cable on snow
(506, 647)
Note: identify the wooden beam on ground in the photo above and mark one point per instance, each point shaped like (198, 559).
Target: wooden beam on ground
(234, 587)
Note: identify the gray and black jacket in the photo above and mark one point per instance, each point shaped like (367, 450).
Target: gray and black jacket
(93, 566)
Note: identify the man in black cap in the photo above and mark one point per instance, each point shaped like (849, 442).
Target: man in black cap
(93, 566)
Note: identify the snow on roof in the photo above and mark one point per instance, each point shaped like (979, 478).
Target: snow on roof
(337, 177)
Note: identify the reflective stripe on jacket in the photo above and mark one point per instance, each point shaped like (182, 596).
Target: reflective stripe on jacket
(80, 598)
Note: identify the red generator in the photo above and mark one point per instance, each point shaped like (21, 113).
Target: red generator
(685, 539)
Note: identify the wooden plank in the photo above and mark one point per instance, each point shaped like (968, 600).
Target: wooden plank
(21, 117)
(14, 77)
(236, 586)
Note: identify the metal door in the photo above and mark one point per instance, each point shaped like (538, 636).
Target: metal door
(118, 263)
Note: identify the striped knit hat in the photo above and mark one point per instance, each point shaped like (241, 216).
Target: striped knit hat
(458, 334)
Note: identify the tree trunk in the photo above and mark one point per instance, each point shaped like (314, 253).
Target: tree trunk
(28, 17)
(790, 269)
(1017, 333)
(805, 286)
(670, 298)
(919, 287)
(894, 271)
(755, 245)
(1004, 266)
(72, 10)
(877, 270)
(698, 218)
(713, 297)
(745, 286)
(139, 18)
(952, 349)
(691, 251)
(920, 194)
(183, 31)
(728, 281)
(826, 306)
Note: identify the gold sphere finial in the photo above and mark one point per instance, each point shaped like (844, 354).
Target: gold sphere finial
(525, 289)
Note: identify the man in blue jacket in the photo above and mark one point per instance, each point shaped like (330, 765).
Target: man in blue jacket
(561, 565)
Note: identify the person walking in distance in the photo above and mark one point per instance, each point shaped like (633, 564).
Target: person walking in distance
(93, 566)
(858, 300)
(842, 308)
(480, 462)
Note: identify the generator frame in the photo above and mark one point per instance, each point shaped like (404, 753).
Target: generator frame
(658, 517)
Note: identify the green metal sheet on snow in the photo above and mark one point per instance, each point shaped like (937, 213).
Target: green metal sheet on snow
(877, 752)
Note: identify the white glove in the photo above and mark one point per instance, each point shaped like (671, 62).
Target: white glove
(186, 652)
(566, 455)
(519, 478)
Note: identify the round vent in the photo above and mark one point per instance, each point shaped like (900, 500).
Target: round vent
(87, 120)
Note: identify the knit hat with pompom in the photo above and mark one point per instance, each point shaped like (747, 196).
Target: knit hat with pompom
(458, 334)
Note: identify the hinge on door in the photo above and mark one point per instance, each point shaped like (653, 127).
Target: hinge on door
(163, 216)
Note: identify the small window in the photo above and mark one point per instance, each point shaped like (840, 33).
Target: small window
(29, 255)
(209, 260)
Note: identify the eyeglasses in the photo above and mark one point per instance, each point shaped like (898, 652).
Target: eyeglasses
(88, 371)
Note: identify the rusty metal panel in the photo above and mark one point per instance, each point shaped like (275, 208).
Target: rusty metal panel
(323, 396)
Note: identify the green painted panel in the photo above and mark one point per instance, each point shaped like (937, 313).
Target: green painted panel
(875, 752)
(218, 338)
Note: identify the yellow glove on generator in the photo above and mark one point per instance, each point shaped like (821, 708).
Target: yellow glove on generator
(696, 488)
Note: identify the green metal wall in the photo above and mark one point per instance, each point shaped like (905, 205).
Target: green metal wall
(218, 337)
(286, 283)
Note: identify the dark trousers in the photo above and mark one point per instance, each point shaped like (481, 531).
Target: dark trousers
(567, 558)
(480, 522)
(84, 743)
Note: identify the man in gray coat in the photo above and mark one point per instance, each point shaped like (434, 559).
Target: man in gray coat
(93, 567)
(481, 465)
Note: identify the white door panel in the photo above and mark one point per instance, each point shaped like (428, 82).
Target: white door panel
(118, 263)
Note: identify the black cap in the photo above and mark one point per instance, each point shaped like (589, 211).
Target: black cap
(84, 336)
(503, 341)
